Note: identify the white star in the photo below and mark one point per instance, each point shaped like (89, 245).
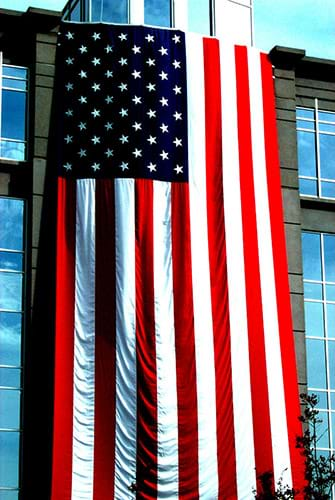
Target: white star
(164, 101)
(95, 139)
(82, 126)
(123, 138)
(164, 128)
(109, 99)
(137, 153)
(69, 60)
(152, 140)
(164, 155)
(96, 61)
(151, 167)
(177, 142)
(67, 166)
(150, 62)
(137, 126)
(163, 75)
(123, 61)
(96, 36)
(124, 166)
(177, 90)
(83, 74)
(68, 139)
(69, 112)
(177, 116)
(95, 113)
(149, 38)
(136, 74)
(83, 49)
(108, 126)
(123, 112)
(123, 86)
(69, 35)
(109, 153)
(123, 37)
(82, 153)
(151, 113)
(176, 64)
(151, 87)
(137, 100)
(178, 169)
(96, 86)
(163, 51)
(96, 166)
(69, 86)
(136, 50)
(108, 49)
(109, 73)
(176, 38)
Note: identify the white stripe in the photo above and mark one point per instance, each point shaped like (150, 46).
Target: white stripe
(281, 455)
(125, 427)
(84, 344)
(167, 416)
(203, 326)
(243, 422)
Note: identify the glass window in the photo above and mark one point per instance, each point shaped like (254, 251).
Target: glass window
(13, 124)
(316, 364)
(157, 12)
(199, 16)
(316, 152)
(311, 257)
(11, 316)
(110, 11)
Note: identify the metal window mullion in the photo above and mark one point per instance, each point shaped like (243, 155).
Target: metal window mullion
(317, 145)
(180, 14)
(136, 11)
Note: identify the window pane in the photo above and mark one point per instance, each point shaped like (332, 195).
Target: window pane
(306, 124)
(327, 156)
(198, 16)
(10, 377)
(75, 14)
(157, 12)
(330, 292)
(11, 261)
(11, 291)
(9, 495)
(12, 150)
(11, 226)
(311, 256)
(116, 12)
(331, 320)
(305, 113)
(322, 431)
(306, 153)
(314, 323)
(327, 116)
(331, 355)
(10, 338)
(13, 122)
(332, 401)
(9, 459)
(327, 127)
(316, 366)
(13, 71)
(9, 409)
(14, 84)
(329, 252)
(328, 189)
(308, 187)
(312, 291)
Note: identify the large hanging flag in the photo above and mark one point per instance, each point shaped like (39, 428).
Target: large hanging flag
(175, 371)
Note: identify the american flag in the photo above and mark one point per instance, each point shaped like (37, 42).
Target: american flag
(175, 371)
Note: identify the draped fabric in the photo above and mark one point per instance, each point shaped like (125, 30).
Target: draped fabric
(175, 372)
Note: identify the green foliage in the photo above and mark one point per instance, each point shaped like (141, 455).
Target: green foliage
(319, 469)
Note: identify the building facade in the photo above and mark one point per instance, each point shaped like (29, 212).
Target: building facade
(305, 92)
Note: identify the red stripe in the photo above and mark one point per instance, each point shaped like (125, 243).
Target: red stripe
(184, 343)
(64, 344)
(218, 273)
(145, 343)
(259, 390)
(104, 433)
(281, 273)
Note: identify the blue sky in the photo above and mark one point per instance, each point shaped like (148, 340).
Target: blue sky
(307, 24)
